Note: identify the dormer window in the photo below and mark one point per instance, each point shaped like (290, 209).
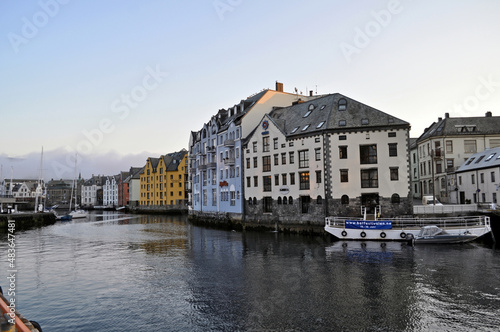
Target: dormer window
(307, 114)
(342, 104)
(342, 123)
(490, 156)
(320, 124)
(311, 107)
(294, 130)
(305, 127)
(364, 121)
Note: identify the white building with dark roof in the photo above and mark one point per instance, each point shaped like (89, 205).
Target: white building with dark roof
(328, 156)
(446, 145)
(478, 179)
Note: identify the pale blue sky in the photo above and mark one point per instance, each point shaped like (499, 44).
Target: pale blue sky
(68, 66)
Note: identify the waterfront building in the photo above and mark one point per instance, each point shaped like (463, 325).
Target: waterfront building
(92, 191)
(446, 145)
(323, 157)
(163, 180)
(110, 191)
(478, 179)
(134, 186)
(59, 191)
(414, 174)
(215, 152)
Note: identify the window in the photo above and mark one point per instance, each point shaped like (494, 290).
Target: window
(279, 200)
(283, 158)
(317, 154)
(266, 180)
(320, 124)
(470, 161)
(214, 196)
(308, 113)
(276, 180)
(292, 179)
(344, 175)
(342, 123)
(294, 130)
(494, 143)
(275, 143)
(493, 177)
(254, 162)
(283, 179)
(439, 167)
(369, 178)
(254, 144)
(490, 156)
(268, 204)
(265, 144)
(255, 181)
(266, 163)
(291, 156)
(248, 162)
(342, 137)
(285, 200)
(343, 152)
(344, 200)
(364, 122)
(473, 179)
(494, 198)
(470, 146)
(303, 159)
(304, 180)
(318, 176)
(481, 176)
(394, 173)
(460, 180)
(449, 164)
(305, 202)
(449, 146)
(393, 149)
(249, 183)
(368, 154)
(391, 134)
(395, 199)
(319, 200)
(342, 104)
(306, 127)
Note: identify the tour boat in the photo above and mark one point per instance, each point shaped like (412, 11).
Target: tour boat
(401, 229)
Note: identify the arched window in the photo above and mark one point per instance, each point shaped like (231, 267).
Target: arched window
(344, 200)
(319, 200)
(290, 200)
(342, 104)
(395, 199)
(254, 201)
(285, 200)
(250, 201)
(279, 200)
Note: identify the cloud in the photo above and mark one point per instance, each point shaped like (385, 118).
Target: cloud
(60, 163)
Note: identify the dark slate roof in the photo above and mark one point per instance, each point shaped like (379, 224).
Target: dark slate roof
(485, 159)
(136, 172)
(326, 113)
(413, 143)
(463, 126)
(172, 160)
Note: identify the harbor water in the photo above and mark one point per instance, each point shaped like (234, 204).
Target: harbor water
(118, 272)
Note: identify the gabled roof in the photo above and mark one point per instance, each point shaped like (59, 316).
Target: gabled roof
(485, 159)
(172, 160)
(463, 126)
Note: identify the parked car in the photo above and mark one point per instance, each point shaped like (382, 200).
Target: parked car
(429, 200)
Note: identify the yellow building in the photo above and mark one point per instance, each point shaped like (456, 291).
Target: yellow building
(163, 181)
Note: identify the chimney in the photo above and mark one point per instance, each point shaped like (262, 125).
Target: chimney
(279, 86)
(310, 93)
(440, 119)
(446, 115)
(488, 114)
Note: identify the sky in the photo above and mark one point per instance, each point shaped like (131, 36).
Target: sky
(109, 83)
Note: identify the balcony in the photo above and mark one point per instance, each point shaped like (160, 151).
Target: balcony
(202, 167)
(212, 165)
(229, 161)
(229, 142)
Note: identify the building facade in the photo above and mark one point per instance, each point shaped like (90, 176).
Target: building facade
(163, 180)
(110, 191)
(323, 157)
(446, 145)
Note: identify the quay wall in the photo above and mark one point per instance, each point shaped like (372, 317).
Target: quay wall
(26, 220)
(233, 221)
(165, 209)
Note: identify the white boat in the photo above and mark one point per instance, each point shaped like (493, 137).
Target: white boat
(433, 234)
(78, 214)
(400, 229)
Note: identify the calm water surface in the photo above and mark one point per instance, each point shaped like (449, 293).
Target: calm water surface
(118, 272)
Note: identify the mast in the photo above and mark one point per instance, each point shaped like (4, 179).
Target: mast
(39, 190)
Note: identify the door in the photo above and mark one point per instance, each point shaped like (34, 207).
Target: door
(462, 197)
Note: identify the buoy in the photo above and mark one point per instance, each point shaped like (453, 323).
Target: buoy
(363, 234)
(344, 233)
(383, 235)
(403, 235)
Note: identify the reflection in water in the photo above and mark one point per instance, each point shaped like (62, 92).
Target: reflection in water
(116, 272)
